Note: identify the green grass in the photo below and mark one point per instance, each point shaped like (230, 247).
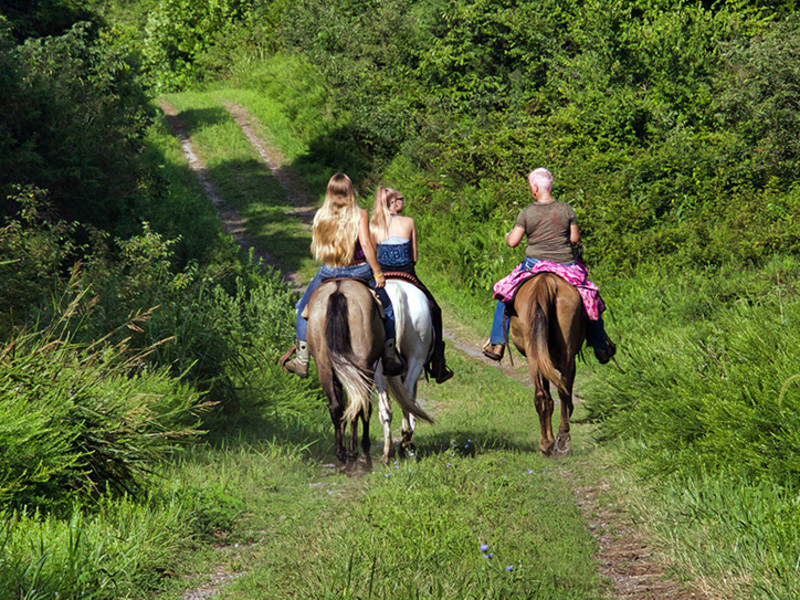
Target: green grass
(414, 528)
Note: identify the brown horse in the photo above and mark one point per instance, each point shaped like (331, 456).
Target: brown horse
(546, 326)
(346, 339)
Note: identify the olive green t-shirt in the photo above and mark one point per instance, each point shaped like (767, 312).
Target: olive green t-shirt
(547, 228)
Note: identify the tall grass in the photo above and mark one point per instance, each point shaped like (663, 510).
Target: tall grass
(711, 368)
(707, 405)
(78, 420)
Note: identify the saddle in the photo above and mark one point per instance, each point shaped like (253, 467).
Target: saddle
(375, 297)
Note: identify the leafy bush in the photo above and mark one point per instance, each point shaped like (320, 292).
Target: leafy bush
(82, 419)
(73, 114)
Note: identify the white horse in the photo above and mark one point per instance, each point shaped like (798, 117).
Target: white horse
(414, 327)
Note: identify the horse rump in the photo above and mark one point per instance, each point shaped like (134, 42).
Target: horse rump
(356, 379)
(543, 336)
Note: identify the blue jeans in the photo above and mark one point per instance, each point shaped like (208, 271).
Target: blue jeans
(595, 332)
(361, 271)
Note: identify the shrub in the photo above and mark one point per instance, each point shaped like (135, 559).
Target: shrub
(82, 419)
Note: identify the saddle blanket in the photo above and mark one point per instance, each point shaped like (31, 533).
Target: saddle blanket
(575, 274)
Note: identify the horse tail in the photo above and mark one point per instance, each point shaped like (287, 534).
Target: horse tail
(400, 393)
(356, 380)
(544, 311)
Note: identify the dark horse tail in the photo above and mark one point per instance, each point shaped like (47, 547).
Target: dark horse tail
(543, 306)
(356, 380)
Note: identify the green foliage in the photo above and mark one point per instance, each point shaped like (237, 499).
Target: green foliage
(40, 18)
(80, 419)
(185, 41)
(37, 250)
(710, 382)
(641, 111)
(73, 114)
(113, 548)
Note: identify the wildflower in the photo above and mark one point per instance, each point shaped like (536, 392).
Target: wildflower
(448, 465)
(388, 475)
(529, 471)
(484, 547)
(490, 555)
(510, 568)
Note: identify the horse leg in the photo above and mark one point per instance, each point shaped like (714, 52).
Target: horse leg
(385, 416)
(544, 406)
(351, 467)
(563, 441)
(333, 390)
(407, 445)
(365, 460)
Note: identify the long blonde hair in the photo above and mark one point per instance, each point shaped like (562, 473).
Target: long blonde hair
(335, 229)
(381, 215)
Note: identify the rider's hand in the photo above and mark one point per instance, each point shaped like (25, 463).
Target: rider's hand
(380, 280)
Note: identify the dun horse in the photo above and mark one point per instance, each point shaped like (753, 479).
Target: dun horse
(346, 338)
(415, 342)
(547, 327)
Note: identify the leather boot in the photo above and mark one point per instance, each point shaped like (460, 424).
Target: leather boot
(605, 352)
(393, 363)
(299, 364)
(438, 366)
(494, 351)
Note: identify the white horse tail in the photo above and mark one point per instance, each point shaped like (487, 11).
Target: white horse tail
(400, 393)
(355, 379)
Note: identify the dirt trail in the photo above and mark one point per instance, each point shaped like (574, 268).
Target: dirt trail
(623, 555)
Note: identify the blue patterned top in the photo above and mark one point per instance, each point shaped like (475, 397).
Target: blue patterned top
(395, 254)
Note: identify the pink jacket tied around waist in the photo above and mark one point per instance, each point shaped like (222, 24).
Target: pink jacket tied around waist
(574, 274)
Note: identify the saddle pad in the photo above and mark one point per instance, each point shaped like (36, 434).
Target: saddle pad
(576, 274)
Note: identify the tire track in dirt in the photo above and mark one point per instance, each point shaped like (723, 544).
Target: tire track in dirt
(232, 221)
(623, 555)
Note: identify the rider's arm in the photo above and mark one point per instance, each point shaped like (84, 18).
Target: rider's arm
(574, 234)
(369, 249)
(514, 237)
(413, 241)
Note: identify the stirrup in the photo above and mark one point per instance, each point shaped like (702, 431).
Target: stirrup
(445, 374)
(287, 355)
(494, 351)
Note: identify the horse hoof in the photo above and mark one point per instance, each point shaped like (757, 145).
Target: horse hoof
(563, 445)
(365, 464)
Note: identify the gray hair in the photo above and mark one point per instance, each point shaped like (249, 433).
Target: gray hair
(542, 178)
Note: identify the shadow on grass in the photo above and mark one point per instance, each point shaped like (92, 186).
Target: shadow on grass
(465, 443)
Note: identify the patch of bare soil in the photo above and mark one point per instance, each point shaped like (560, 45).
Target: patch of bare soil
(625, 557)
(637, 571)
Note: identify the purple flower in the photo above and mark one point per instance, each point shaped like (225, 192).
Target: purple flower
(510, 568)
(484, 547)
(490, 555)
(448, 465)
(529, 471)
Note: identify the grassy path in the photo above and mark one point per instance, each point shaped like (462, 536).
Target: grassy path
(476, 514)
